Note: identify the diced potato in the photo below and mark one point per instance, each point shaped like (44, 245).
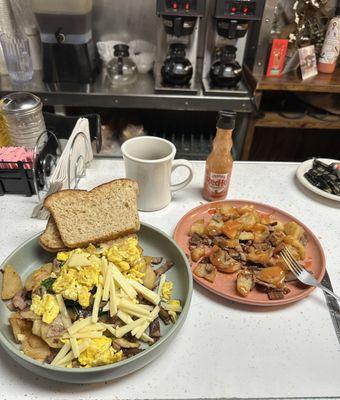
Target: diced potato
(265, 219)
(33, 346)
(149, 278)
(19, 326)
(279, 226)
(245, 282)
(246, 236)
(34, 279)
(197, 253)
(299, 247)
(232, 228)
(259, 257)
(206, 271)
(247, 220)
(11, 283)
(214, 228)
(197, 227)
(293, 229)
(246, 209)
(229, 211)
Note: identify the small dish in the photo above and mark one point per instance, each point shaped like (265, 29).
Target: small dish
(306, 166)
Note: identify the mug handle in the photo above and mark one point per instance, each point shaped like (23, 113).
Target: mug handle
(186, 164)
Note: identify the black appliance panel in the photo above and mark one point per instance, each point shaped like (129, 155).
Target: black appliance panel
(189, 8)
(238, 9)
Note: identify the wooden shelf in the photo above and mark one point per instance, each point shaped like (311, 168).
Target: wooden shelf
(274, 120)
(322, 83)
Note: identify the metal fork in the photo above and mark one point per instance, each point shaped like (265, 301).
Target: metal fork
(301, 273)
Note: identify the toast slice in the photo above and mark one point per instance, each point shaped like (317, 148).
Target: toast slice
(104, 213)
(50, 239)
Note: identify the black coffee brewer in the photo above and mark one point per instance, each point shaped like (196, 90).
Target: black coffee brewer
(232, 25)
(177, 40)
(69, 54)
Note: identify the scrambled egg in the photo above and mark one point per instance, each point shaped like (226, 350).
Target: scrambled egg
(47, 307)
(63, 256)
(100, 352)
(167, 290)
(127, 256)
(173, 314)
(75, 283)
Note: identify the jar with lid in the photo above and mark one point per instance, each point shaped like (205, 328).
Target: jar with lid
(225, 71)
(121, 70)
(177, 69)
(24, 119)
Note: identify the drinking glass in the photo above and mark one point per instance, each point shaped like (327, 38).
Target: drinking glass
(17, 56)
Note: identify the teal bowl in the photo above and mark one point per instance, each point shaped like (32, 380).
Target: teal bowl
(29, 256)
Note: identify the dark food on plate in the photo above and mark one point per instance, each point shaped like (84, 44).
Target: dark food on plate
(91, 306)
(242, 241)
(325, 177)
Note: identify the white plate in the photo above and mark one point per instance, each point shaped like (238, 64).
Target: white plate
(306, 166)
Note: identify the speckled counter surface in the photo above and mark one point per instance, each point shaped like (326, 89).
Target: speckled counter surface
(225, 350)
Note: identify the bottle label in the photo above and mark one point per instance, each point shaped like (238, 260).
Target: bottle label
(216, 185)
(330, 48)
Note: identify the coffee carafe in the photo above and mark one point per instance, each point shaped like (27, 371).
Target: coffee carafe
(121, 70)
(177, 69)
(225, 71)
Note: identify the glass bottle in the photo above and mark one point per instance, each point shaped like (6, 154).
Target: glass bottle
(219, 163)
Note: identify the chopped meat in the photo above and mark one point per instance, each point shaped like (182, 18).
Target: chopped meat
(156, 260)
(275, 295)
(19, 300)
(131, 352)
(163, 268)
(155, 329)
(164, 316)
(223, 262)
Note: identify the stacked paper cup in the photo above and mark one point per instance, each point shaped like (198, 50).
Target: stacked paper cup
(24, 119)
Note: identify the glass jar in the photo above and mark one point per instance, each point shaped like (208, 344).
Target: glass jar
(24, 119)
(121, 70)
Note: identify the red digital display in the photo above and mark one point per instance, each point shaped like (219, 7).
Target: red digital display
(175, 6)
(245, 10)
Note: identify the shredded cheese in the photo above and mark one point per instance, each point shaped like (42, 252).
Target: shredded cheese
(148, 294)
(80, 324)
(108, 279)
(123, 282)
(171, 307)
(70, 356)
(123, 330)
(63, 311)
(62, 353)
(113, 299)
(97, 300)
(74, 346)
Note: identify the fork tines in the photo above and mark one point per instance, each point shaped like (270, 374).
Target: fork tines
(290, 261)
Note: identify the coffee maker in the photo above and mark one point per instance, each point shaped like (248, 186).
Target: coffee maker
(232, 29)
(177, 41)
(66, 33)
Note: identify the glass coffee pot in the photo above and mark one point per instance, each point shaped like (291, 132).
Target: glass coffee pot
(225, 71)
(121, 70)
(177, 69)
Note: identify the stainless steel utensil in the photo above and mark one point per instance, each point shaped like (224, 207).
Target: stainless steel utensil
(301, 273)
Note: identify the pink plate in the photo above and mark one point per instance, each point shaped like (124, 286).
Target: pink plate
(224, 284)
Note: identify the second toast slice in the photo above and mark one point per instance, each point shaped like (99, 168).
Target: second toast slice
(104, 213)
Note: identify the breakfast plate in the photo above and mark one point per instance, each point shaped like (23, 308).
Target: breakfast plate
(306, 166)
(30, 256)
(224, 284)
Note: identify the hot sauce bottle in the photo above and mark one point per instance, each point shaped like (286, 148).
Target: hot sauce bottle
(219, 163)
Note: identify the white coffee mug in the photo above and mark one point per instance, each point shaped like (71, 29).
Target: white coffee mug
(150, 161)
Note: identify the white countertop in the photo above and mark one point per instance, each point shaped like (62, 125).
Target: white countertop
(224, 350)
